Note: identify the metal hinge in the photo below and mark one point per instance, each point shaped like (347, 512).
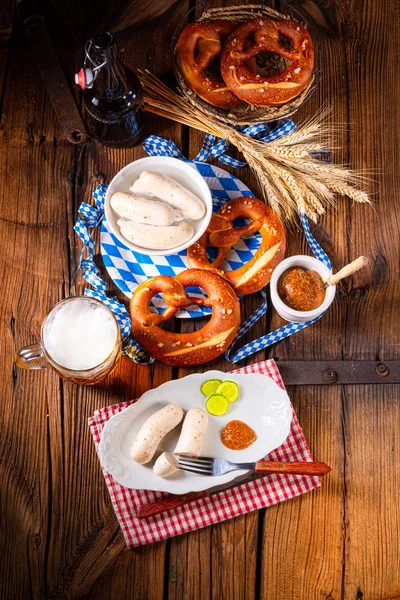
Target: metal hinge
(338, 372)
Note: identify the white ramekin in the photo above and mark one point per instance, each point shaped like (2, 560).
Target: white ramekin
(178, 170)
(307, 262)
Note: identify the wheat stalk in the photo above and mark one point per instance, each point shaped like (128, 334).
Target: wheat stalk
(290, 178)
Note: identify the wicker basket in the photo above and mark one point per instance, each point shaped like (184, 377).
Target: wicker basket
(245, 114)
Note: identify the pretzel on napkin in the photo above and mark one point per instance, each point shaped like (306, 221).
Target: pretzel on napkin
(256, 273)
(185, 349)
(260, 35)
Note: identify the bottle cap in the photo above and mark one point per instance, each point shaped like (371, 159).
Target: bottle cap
(84, 78)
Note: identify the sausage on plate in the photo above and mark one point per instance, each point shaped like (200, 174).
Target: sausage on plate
(193, 432)
(152, 432)
(166, 465)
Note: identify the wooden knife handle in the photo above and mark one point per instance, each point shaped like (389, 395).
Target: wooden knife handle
(262, 466)
(349, 269)
(160, 506)
(295, 468)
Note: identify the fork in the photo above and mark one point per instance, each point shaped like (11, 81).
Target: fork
(204, 465)
(207, 468)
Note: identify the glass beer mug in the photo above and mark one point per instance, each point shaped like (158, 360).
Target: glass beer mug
(80, 339)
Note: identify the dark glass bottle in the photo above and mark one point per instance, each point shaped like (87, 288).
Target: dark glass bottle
(113, 103)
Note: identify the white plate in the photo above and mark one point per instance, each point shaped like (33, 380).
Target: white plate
(262, 404)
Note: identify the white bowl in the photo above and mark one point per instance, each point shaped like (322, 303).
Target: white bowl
(183, 173)
(307, 262)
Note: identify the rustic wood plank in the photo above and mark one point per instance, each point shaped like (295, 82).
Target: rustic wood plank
(95, 552)
(372, 45)
(192, 549)
(372, 528)
(234, 553)
(364, 295)
(6, 17)
(60, 536)
(235, 542)
(299, 536)
(371, 413)
(33, 247)
(125, 16)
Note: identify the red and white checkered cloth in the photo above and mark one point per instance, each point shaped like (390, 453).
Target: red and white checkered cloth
(206, 511)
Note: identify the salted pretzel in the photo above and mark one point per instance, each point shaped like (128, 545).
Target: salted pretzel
(198, 47)
(264, 35)
(184, 349)
(256, 273)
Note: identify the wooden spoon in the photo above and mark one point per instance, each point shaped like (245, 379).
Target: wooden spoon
(349, 269)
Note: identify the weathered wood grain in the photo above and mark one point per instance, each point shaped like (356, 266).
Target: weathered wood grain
(136, 12)
(59, 536)
(371, 49)
(372, 541)
(234, 543)
(100, 532)
(193, 549)
(302, 540)
(300, 535)
(371, 417)
(33, 265)
(6, 17)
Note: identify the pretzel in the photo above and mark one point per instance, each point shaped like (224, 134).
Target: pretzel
(205, 38)
(256, 273)
(185, 349)
(276, 89)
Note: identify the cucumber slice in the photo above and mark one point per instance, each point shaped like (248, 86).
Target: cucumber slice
(217, 405)
(229, 389)
(208, 388)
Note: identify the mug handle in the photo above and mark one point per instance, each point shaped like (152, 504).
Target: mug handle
(31, 357)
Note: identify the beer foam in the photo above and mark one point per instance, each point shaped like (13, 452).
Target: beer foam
(79, 334)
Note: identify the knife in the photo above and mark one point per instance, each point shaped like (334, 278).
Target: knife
(165, 504)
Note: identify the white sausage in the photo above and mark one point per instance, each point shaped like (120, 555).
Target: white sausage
(152, 432)
(170, 191)
(143, 210)
(193, 432)
(166, 465)
(156, 238)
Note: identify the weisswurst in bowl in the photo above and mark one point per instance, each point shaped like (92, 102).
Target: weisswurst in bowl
(158, 205)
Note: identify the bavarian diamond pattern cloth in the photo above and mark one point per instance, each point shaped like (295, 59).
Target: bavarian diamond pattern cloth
(128, 269)
(89, 218)
(216, 148)
(288, 329)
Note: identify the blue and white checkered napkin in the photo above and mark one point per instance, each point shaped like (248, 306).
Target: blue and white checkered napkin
(288, 329)
(260, 131)
(128, 269)
(89, 219)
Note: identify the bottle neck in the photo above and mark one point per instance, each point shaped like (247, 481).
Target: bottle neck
(111, 81)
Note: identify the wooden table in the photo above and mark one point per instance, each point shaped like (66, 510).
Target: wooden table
(59, 536)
